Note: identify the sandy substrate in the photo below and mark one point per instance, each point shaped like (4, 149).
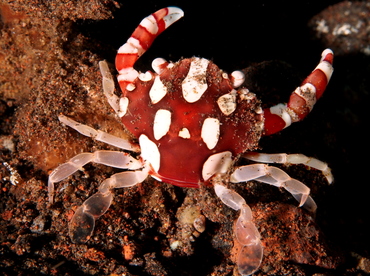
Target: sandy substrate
(49, 54)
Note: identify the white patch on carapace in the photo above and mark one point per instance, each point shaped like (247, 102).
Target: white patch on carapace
(237, 78)
(259, 126)
(130, 87)
(184, 133)
(147, 76)
(227, 103)
(123, 104)
(159, 64)
(210, 132)
(245, 95)
(195, 83)
(258, 110)
(157, 91)
(162, 123)
(308, 93)
(149, 152)
(216, 163)
(281, 111)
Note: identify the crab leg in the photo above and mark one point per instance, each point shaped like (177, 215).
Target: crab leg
(83, 221)
(284, 158)
(247, 235)
(141, 39)
(276, 177)
(98, 134)
(302, 99)
(115, 159)
(119, 104)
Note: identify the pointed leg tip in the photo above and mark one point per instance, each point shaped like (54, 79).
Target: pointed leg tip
(250, 258)
(81, 226)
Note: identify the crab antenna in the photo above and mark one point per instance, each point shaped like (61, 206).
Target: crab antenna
(141, 39)
(302, 99)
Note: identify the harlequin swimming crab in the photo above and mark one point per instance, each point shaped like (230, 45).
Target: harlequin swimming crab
(192, 121)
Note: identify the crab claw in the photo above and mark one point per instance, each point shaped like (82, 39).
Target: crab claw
(303, 99)
(140, 41)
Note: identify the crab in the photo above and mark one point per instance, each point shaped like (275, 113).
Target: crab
(192, 122)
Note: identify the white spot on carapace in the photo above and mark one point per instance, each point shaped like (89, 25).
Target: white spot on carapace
(147, 76)
(157, 91)
(195, 83)
(130, 87)
(159, 64)
(216, 163)
(258, 110)
(123, 104)
(227, 103)
(184, 133)
(162, 123)
(237, 78)
(210, 132)
(149, 152)
(259, 125)
(245, 95)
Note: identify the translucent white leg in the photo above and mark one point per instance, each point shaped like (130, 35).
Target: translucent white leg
(284, 158)
(83, 221)
(99, 135)
(118, 104)
(115, 159)
(277, 177)
(251, 254)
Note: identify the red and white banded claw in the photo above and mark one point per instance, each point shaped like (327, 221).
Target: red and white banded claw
(302, 99)
(140, 40)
